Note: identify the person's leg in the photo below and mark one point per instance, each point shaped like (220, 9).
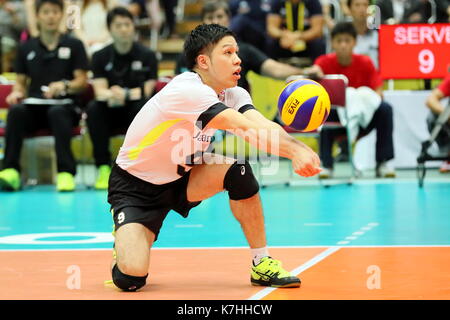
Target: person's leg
(62, 120)
(132, 244)
(208, 179)
(383, 122)
(326, 139)
(20, 121)
(169, 10)
(133, 108)
(325, 147)
(98, 122)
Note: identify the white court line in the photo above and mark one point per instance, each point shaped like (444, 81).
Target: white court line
(308, 264)
(264, 292)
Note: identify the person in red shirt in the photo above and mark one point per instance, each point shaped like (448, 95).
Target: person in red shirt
(436, 108)
(360, 71)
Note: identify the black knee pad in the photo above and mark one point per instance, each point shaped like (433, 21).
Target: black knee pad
(126, 282)
(240, 182)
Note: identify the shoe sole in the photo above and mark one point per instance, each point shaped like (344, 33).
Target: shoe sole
(6, 186)
(265, 284)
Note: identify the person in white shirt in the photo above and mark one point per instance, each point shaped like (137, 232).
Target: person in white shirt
(162, 164)
(366, 39)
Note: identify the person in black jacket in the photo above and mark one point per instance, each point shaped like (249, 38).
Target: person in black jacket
(125, 74)
(51, 70)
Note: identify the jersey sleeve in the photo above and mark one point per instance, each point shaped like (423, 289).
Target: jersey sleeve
(80, 61)
(20, 65)
(239, 99)
(151, 62)
(197, 104)
(98, 67)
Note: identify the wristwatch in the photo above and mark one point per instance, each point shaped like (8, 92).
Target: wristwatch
(66, 86)
(127, 94)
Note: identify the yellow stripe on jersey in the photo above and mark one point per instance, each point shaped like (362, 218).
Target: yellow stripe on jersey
(151, 137)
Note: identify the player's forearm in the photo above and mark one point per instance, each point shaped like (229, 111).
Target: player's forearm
(270, 137)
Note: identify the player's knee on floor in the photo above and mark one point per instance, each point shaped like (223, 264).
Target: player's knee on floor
(240, 181)
(127, 282)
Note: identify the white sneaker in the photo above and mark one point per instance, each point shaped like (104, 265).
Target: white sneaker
(326, 173)
(445, 167)
(385, 170)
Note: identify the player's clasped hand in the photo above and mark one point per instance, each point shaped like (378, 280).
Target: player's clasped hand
(306, 163)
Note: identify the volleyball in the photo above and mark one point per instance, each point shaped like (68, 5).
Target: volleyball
(304, 105)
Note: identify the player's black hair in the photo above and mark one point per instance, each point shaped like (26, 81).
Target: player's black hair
(118, 11)
(58, 3)
(202, 39)
(343, 28)
(214, 5)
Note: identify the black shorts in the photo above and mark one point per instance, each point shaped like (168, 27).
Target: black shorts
(139, 201)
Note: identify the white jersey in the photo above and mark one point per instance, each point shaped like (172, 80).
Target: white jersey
(166, 137)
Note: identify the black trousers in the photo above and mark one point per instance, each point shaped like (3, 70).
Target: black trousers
(24, 120)
(104, 122)
(382, 121)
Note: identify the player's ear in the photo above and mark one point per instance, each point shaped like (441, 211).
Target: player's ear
(202, 61)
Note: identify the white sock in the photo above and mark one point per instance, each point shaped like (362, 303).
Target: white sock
(258, 254)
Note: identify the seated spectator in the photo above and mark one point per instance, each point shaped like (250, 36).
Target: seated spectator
(248, 21)
(91, 31)
(12, 23)
(329, 12)
(122, 70)
(50, 69)
(423, 11)
(294, 29)
(412, 11)
(434, 103)
(367, 39)
(30, 9)
(252, 59)
(365, 107)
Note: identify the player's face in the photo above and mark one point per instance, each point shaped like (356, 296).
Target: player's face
(49, 17)
(225, 64)
(218, 17)
(122, 29)
(343, 45)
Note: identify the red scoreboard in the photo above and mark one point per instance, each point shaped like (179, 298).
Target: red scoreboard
(414, 51)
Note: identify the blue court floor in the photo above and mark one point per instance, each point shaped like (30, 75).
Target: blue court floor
(367, 213)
